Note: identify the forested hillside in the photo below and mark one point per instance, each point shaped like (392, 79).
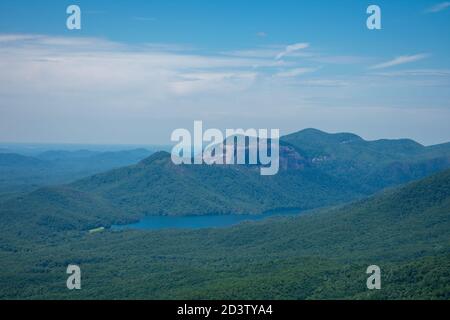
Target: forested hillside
(317, 169)
(320, 255)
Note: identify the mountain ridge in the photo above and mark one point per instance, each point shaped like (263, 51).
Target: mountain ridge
(307, 179)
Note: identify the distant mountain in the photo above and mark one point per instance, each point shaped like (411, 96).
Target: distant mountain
(373, 164)
(439, 148)
(156, 186)
(94, 158)
(349, 146)
(115, 159)
(20, 173)
(13, 161)
(58, 155)
(317, 169)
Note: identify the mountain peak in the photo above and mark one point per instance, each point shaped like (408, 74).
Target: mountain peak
(316, 135)
(159, 155)
(311, 131)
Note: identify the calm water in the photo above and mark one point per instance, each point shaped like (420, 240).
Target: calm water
(198, 222)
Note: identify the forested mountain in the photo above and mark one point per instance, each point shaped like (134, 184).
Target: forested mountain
(374, 164)
(317, 169)
(322, 254)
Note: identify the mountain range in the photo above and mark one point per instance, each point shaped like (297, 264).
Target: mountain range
(317, 169)
(25, 172)
(321, 254)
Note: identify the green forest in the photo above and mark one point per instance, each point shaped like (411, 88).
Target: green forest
(403, 227)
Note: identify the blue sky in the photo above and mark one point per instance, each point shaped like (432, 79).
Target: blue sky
(137, 70)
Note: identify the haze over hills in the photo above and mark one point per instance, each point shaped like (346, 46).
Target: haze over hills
(317, 169)
(22, 172)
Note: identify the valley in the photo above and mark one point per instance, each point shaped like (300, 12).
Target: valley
(363, 203)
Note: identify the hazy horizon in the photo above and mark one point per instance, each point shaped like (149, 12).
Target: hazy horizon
(170, 143)
(134, 73)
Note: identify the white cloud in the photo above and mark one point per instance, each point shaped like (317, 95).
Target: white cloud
(438, 7)
(416, 73)
(292, 48)
(400, 60)
(78, 89)
(83, 63)
(212, 82)
(269, 52)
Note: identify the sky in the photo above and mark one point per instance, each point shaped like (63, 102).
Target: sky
(137, 70)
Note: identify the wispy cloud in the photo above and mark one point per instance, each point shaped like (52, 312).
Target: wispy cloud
(212, 82)
(17, 37)
(295, 72)
(438, 7)
(83, 88)
(253, 53)
(84, 63)
(400, 60)
(292, 48)
(325, 83)
(341, 60)
(416, 73)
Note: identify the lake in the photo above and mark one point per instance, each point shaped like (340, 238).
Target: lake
(198, 222)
